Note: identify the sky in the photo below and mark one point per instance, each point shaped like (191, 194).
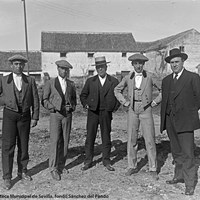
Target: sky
(147, 20)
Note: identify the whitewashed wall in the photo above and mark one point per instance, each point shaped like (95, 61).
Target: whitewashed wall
(80, 61)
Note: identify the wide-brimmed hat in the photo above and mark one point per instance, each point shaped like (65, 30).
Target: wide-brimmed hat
(138, 57)
(18, 57)
(175, 53)
(63, 63)
(100, 61)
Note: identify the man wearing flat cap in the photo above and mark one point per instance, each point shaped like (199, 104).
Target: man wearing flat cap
(139, 103)
(179, 116)
(98, 98)
(59, 97)
(19, 96)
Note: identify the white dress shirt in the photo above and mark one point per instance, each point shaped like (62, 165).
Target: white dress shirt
(18, 81)
(178, 74)
(102, 80)
(63, 84)
(138, 79)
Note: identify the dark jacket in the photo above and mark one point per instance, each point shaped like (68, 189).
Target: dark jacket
(187, 101)
(30, 98)
(90, 93)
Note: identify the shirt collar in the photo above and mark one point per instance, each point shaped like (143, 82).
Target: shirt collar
(103, 77)
(16, 75)
(178, 74)
(61, 79)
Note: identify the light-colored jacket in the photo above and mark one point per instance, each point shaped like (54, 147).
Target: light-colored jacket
(30, 98)
(52, 95)
(129, 83)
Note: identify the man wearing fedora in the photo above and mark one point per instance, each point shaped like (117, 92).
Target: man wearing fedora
(179, 116)
(139, 102)
(19, 96)
(98, 98)
(59, 97)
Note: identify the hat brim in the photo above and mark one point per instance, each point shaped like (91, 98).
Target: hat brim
(18, 59)
(182, 55)
(98, 64)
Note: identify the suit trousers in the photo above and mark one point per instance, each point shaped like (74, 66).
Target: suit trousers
(145, 118)
(95, 118)
(15, 129)
(182, 148)
(60, 128)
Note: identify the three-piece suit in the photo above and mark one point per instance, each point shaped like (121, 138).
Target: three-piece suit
(55, 101)
(102, 102)
(179, 116)
(19, 108)
(137, 99)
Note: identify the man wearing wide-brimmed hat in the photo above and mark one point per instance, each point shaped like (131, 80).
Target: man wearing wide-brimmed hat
(139, 103)
(59, 97)
(19, 96)
(98, 98)
(179, 116)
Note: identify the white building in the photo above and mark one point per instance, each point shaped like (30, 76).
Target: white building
(80, 49)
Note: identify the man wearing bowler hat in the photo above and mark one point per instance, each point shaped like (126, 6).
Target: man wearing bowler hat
(139, 103)
(19, 96)
(59, 97)
(179, 116)
(98, 98)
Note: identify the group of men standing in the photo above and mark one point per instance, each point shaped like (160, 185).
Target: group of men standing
(101, 96)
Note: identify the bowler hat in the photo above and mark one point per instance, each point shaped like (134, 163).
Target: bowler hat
(63, 63)
(18, 57)
(138, 56)
(175, 53)
(100, 61)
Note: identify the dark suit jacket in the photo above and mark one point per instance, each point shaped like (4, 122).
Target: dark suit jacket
(30, 96)
(52, 95)
(187, 101)
(90, 93)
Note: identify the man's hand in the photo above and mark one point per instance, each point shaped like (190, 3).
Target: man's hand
(153, 104)
(127, 104)
(33, 123)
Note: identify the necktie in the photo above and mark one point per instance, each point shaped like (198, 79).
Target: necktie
(175, 78)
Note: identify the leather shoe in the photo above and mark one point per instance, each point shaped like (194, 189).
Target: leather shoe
(175, 181)
(131, 171)
(55, 175)
(189, 190)
(24, 176)
(86, 166)
(7, 184)
(109, 167)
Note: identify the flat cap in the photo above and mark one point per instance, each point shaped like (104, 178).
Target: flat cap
(138, 56)
(18, 57)
(63, 63)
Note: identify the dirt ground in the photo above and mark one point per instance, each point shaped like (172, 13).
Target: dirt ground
(97, 182)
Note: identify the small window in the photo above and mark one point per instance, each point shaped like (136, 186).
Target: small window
(63, 55)
(90, 55)
(182, 48)
(123, 54)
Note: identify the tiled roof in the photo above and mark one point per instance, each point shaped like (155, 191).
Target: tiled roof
(87, 42)
(162, 43)
(35, 61)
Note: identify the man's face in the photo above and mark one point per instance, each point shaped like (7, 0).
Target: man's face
(138, 65)
(176, 64)
(63, 72)
(101, 70)
(17, 67)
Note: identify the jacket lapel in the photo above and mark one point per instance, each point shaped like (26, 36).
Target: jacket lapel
(180, 83)
(68, 91)
(24, 85)
(58, 87)
(144, 81)
(107, 84)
